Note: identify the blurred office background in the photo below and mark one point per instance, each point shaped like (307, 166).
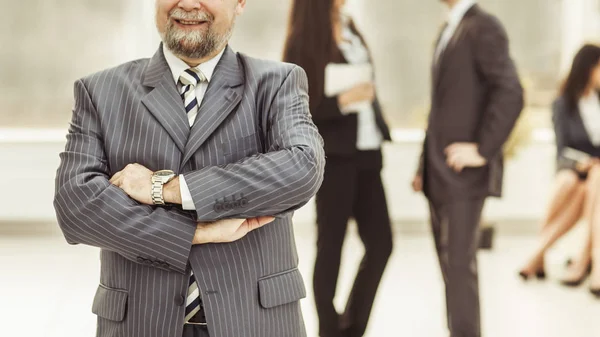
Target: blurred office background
(48, 44)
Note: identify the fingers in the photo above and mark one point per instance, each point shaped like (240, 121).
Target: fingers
(370, 91)
(255, 223)
(461, 155)
(455, 162)
(233, 223)
(366, 86)
(131, 170)
(451, 160)
(450, 149)
(116, 178)
(364, 91)
(228, 230)
(263, 220)
(251, 224)
(584, 167)
(455, 148)
(416, 187)
(595, 163)
(417, 184)
(459, 147)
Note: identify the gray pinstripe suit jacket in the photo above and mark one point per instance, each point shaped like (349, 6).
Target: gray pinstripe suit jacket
(133, 114)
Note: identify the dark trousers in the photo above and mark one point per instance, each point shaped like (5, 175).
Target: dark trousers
(190, 330)
(352, 187)
(455, 228)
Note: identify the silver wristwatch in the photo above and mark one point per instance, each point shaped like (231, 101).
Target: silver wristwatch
(159, 179)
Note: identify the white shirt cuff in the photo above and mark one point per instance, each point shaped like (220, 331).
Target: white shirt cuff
(186, 197)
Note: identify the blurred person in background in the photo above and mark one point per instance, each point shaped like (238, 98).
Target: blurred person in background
(476, 100)
(352, 125)
(576, 117)
(169, 171)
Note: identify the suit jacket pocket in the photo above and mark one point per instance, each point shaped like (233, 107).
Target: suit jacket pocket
(240, 148)
(110, 303)
(281, 288)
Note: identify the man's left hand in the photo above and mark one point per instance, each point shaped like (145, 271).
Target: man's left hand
(136, 181)
(461, 155)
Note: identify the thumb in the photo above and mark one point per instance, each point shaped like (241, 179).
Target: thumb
(254, 223)
(263, 220)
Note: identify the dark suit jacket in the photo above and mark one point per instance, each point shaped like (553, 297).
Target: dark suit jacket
(476, 97)
(339, 131)
(570, 132)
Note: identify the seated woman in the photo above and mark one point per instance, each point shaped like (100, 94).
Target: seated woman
(576, 117)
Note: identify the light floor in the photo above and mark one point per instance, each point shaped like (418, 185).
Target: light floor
(42, 272)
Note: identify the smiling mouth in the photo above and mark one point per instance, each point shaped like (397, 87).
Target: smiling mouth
(189, 22)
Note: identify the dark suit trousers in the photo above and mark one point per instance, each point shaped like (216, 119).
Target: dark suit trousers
(455, 228)
(190, 330)
(352, 187)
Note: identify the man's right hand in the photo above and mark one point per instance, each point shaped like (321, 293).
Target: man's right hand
(227, 230)
(417, 183)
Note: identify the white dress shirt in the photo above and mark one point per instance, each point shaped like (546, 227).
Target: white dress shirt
(589, 109)
(369, 137)
(455, 16)
(177, 67)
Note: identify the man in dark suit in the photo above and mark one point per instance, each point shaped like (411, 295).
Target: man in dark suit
(173, 166)
(476, 100)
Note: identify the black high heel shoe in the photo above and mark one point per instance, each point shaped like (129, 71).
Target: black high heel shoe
(579, 281)
(540, 275)
(595, 292)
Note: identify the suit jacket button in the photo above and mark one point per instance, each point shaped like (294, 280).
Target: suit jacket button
(179, 300)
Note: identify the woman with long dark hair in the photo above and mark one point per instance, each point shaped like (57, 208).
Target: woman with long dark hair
(576, 117)
(351, 123)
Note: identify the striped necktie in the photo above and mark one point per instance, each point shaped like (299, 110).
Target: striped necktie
(189, 79)
(193, 303)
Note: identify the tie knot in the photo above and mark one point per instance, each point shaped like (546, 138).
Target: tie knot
(192, 76)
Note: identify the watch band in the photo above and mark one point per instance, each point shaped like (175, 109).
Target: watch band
(157, 191)
(159, 179)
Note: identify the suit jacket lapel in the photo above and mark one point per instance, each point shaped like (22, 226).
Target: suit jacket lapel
(446, 53)
(164, 101)
(440, 66)
(436, 61)
(223, 95)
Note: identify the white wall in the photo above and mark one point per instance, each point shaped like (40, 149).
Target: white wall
(80, 37)
(29, 159)
(580, 24)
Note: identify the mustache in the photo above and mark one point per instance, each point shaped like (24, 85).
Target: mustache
(180, 14)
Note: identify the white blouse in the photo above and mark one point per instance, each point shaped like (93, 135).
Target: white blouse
(355, 52)
(589, 109)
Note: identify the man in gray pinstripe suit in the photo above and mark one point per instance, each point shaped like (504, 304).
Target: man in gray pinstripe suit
(173, 167)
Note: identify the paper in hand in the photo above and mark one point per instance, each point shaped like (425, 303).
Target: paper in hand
(341, 77)
(575, 155)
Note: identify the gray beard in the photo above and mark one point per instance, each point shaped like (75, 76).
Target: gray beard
(196, 44)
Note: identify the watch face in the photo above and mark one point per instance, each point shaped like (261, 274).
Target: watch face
(164, 173)
(163, 176)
